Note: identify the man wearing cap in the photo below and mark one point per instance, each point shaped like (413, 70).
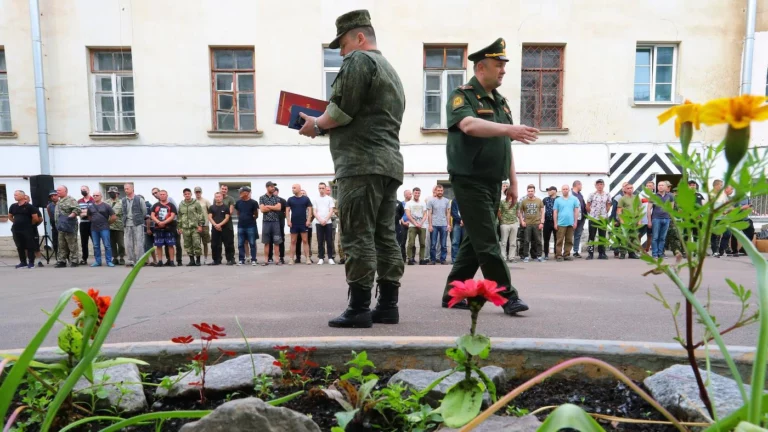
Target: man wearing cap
(599, 207)
(116, 228)
(205, 236)
(549, 220)
(51, 209)
(479, 154)
(271, 232)
(364, 116)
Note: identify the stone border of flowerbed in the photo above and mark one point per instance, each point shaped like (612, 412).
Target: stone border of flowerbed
(519, 357)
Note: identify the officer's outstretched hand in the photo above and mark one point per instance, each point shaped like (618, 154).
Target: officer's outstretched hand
(522, 133)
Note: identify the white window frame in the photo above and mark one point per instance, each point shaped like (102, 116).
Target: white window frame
(325, 75)
(444, 91)
(654, 55)
(117, 93)
(4, 77)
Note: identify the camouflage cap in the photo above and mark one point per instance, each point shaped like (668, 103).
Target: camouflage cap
(113, 189)
(349, 21)
(497, 50)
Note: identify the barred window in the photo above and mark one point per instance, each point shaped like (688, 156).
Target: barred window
(541, 92)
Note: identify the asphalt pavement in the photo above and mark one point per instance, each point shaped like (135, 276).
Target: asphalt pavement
(601, 300)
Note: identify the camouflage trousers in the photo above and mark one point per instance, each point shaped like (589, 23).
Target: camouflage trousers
(69, 247)
(673, 239)
(192, 241)
(368, 238)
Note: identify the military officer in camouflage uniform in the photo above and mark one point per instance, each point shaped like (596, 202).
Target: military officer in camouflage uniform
(191, 221)
(479, 153)
(116, 228)
(65, 214)
(364, 117)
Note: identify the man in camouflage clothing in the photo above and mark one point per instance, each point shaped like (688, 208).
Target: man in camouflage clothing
(479, 153)
(364, 115)
(66, 212)
(116, 228)
(191, 221)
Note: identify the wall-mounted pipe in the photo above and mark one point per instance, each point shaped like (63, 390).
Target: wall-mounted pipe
(749, 48)
(37, 59)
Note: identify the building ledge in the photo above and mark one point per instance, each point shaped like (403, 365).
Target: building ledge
(434, 131)
(235, 134)
(653, 104)
(563, 131)
(113, 136)
(8, 135)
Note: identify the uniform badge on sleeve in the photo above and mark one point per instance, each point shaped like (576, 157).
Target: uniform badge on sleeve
(458, 102)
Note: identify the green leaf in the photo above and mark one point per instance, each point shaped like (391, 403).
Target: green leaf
(102, 393)
(572, 417)
(462, 403)
(344, 417)
(748, 427)
(17, 372)
(118, 361)
(165, 415)
(365, 389)
(285, 399)
(488, 382)
(476, 345)
(456, 355)
(90, 352)
(361, 360)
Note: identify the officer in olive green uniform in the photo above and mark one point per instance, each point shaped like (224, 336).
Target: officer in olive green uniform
(191, 221)
(477, 166)
(364, 116)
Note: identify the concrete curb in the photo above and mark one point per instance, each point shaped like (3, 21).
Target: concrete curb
(521, 358)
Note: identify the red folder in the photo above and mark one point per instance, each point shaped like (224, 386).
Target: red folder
(287, 100)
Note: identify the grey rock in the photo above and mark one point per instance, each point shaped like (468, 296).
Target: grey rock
(418, 380)
(123, 386)
(676, 390)
(496, 423)
(226, 376)
(252, 414)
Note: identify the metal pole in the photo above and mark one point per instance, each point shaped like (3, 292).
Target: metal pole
(37, 57)
(749, 48)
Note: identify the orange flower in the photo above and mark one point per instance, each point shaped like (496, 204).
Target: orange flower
(102, 303)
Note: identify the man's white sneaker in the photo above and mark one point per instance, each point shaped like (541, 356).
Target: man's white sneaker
(330, 261)
(320, 262)
(253, 263)
(240, 263)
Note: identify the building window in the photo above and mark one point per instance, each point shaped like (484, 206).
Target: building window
(3, 201)
(541, 87)
(655, 67)
(234, 98)
(445, 68)
(113, 101)
(331, 64)
(5, 103)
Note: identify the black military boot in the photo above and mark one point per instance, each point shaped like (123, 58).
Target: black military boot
(358, 313)
(197, 261)
(191, 261)
(590, 252)
(386, 308)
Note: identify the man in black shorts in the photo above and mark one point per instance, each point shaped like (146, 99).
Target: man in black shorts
(298, 220)
(270, 207)
(24, 218)
(164, 216)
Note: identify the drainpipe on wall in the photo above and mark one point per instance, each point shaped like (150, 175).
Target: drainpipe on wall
(37, 57)
(749, 48)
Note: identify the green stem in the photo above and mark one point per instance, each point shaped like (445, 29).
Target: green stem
(285, 399)
(165, 415)
(761, 350)
(88, 420)
(475, 311)
(704, 315)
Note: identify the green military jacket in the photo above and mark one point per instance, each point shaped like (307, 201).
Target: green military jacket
(117, 207)
(487, 158)
(368, 102)
(66, 206)
(191, 215)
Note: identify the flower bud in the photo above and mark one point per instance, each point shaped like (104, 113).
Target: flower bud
(736, 145)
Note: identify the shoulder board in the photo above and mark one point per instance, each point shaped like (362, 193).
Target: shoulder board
(465, 87)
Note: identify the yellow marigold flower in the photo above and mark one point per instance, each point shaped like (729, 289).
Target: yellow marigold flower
(738, 112)
(687, 112)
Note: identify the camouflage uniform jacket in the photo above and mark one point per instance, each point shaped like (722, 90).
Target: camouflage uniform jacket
(66, 206)
(367, 101)
(117, 207)
(191, 215)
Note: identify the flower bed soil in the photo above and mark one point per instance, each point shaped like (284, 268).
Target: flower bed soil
(602, 397)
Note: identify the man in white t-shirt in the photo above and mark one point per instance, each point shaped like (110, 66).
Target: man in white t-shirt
(418, 216)
(322, 209)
